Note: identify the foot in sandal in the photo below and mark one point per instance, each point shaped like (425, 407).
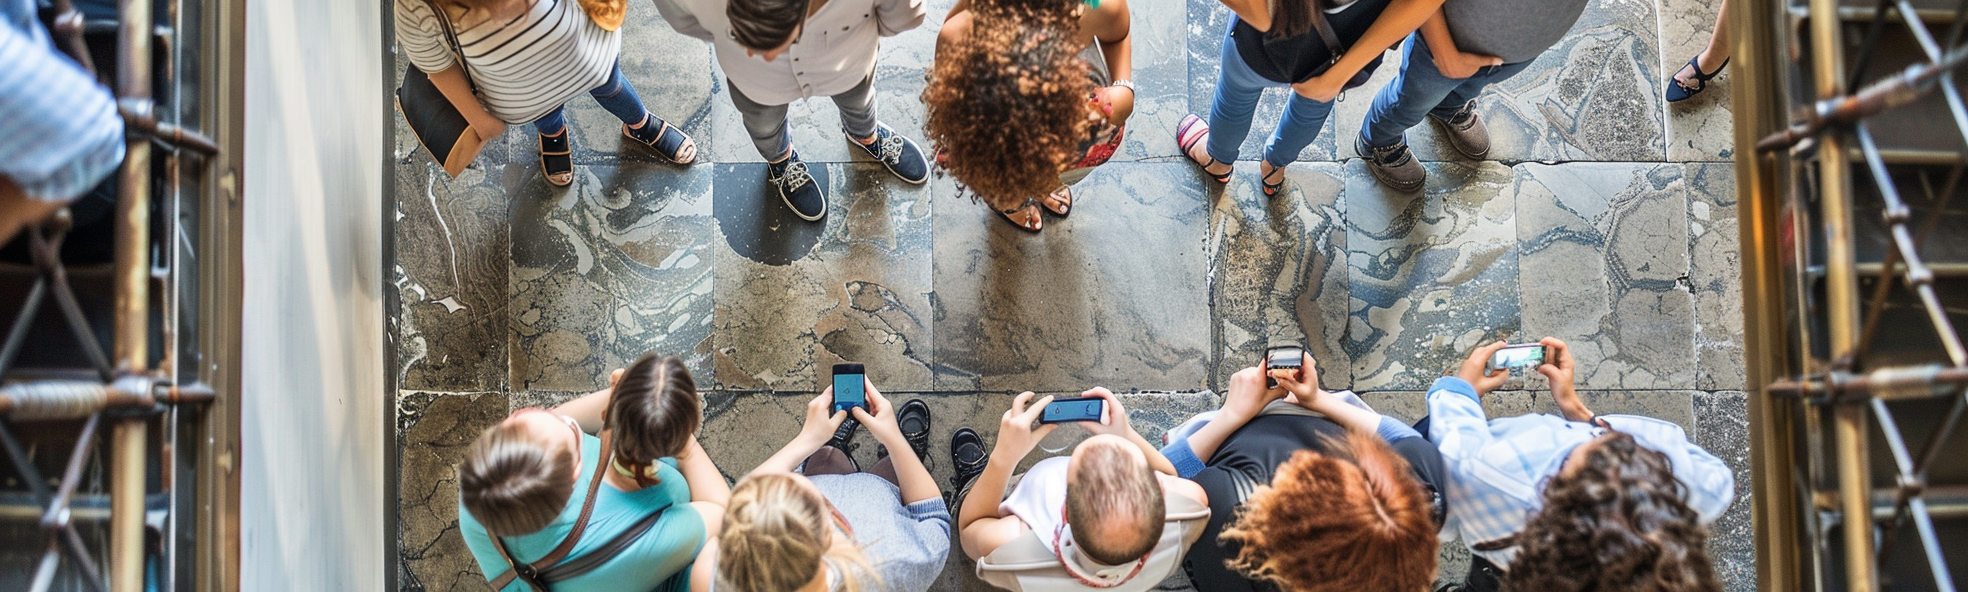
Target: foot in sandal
(1060, 201)
(670, 143)
(557, 158)
(1193, 137)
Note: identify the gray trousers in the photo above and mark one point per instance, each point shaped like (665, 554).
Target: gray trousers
(767, 123)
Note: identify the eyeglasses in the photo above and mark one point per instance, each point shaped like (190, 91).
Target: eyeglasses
(1105, 578)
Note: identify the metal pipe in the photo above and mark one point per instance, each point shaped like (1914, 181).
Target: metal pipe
(1841, 293)
(128, 437)
(57, 515)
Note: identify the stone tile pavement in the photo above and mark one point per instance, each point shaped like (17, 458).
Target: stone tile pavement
(1606, 218)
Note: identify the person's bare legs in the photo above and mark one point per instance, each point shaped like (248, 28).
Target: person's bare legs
(17, 210)
(1717, 51)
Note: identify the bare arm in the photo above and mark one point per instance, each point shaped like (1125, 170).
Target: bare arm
(588, 408)
(914, 479)
(1255, 12)
(821, 420)
(1401, 18)
(1450, 61)
(1559, 369)
(1110, 24)
(981, 529)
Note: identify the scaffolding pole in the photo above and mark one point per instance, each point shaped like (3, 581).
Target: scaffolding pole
(132, 322)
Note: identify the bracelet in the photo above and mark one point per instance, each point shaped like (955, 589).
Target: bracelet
(1127, 84)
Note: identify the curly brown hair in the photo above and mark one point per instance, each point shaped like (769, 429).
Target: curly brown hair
(1617, 523)
(1351, 519)
(1009, 103)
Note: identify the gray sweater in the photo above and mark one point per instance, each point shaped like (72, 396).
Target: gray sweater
(1515, 30)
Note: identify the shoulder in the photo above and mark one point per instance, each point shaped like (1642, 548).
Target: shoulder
(1172, 486)
(955, 28)
(1109, 19)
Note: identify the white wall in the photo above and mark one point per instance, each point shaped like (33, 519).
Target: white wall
(313, 406)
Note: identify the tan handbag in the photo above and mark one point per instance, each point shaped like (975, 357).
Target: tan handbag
(607, 14)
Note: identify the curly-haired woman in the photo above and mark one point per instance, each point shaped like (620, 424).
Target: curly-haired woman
(1272, 452)
(1529, 492)
(1316, 47)
(1027, 96)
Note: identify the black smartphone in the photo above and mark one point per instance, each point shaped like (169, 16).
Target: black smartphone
(1516, 358)
(1073, 409)
(850, 387)
(1290, 358)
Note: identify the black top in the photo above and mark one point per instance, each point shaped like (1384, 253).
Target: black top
(1248, 459)
(1299, 58)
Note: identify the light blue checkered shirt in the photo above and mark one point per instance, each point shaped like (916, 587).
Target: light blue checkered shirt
(1497, 468)
(59, 131)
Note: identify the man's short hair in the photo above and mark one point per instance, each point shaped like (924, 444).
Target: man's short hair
(763, 25)
(1110, 489)
(512, 484)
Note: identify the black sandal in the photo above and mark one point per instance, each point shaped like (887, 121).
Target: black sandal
(557, 159)
(1187, 142)
(1271, 189)
(1030, 202)
(1069, 202)
(668, 141)
(1677, 92)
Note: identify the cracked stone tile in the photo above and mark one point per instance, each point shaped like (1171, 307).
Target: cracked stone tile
(859, 292)
(1114, 295)
(673, 75)
(434, 431)
(1701, 128)
(1722, 428)
(1715, 271)
(1278, 272)
(617, 265)
(1208, 22)
(1161, 75)
(1605, 267)
(451, 242)
(1432, 274)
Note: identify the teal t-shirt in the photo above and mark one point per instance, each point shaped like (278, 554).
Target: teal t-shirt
(666, 550)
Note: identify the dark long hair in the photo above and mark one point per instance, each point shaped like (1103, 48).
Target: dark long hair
(765, 24)
(654, 411)
(1618, 523)
(1291, 18)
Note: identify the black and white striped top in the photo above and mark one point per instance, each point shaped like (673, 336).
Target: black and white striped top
(524, 67)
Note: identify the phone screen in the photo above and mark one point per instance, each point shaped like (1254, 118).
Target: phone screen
(1071, 410)
(1518, 357)
(1291, 358)
(850, 387)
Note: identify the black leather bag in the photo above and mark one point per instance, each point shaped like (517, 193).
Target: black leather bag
(440, 128)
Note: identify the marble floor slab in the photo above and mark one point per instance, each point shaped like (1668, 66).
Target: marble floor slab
(1605, 267)
(1278, 272)
(452, 246)
(1715, 272)
(1432, 274)
(1700, 128)
(1114, 295)
(860, 294)
(615, 266)
(435, 430)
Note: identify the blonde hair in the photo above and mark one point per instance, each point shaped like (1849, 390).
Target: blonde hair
(777, 536)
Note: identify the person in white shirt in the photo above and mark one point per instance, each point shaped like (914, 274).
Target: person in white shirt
(774, 52)
(1580, 502)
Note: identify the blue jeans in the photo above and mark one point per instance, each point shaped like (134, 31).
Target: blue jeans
(1421, 89)
(614, 94)
(1237, 90)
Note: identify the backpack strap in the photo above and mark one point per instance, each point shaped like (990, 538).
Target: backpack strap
(531, 572)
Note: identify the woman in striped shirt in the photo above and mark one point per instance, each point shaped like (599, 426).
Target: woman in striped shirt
(526, 59)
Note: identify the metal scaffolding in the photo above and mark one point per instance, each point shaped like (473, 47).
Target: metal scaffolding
(1813, 338)
(127, 389)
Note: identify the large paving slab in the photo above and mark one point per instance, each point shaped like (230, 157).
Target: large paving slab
(1112, 296)
(435, 430)
(452, 248)
(613, 267)
(860, 292)
(1278, 272)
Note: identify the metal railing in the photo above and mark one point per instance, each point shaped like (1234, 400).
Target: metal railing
(1811, 334)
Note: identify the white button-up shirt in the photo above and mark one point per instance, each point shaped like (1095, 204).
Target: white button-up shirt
(834, 52)
(1498, 468)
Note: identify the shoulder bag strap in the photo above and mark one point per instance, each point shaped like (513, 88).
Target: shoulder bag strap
(1326, 32)
(530, 572)
(579, 566)
(451, 41)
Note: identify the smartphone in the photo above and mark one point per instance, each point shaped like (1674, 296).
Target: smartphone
(850, 387)
(1072, 410)
(1518, 357)
(1284, 357)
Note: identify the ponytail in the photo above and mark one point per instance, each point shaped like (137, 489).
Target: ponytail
(779, 535)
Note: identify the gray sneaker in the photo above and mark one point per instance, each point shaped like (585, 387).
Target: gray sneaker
(1466, 131)
(1393, 165)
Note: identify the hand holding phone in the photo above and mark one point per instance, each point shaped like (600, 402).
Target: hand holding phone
(850, 387)
(1517, 358)
(1283, 361)
(1074, 410)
